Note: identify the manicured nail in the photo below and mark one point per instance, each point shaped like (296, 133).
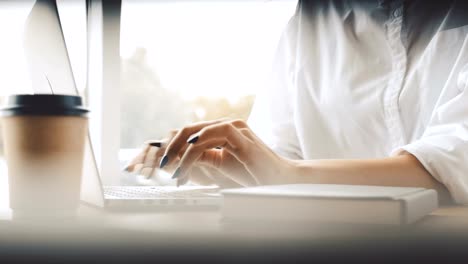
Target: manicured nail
(155, 144)
(176, 173)
(164, 161)
(192, 139)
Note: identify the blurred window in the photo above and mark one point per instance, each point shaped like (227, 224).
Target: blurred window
(187, 61)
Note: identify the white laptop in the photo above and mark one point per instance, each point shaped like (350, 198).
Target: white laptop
(47, 55)
(142, 197)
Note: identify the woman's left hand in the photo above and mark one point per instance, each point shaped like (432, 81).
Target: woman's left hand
(226, 146)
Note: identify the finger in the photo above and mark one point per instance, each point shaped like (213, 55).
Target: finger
(178, 142)
(194, 151)
(149, 162)
(137, 168)
(216, 177)
(247, 133)
(161, 145)
(231, 139)
(182, 181)
(242, 141)
(239, 123)
(139, 159)
(235, 171)
(201, 176)
(150, 170)
(151, 159)
(219, 178)
(245, 130)
(231, 135)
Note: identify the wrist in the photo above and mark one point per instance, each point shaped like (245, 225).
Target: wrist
(305, 171)
(278, 171)
(295, 171)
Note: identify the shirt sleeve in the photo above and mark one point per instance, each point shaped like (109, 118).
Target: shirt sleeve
(443, 147)
(272, 117)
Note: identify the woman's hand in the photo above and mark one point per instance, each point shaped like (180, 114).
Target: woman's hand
(224, 152)
(146, 162)
(229, 154)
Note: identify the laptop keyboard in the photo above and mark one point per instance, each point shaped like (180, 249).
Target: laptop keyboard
(158, 192)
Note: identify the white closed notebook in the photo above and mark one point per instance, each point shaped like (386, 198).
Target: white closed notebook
(329, 203)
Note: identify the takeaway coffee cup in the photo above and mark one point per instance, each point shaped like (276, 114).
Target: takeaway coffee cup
(44, 139)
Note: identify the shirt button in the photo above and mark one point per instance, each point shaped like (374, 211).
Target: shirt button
(397, 12)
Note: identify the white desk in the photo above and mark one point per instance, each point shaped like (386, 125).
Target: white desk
(199, 222)
(183, 236)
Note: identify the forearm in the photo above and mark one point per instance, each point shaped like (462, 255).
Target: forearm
(403, 170)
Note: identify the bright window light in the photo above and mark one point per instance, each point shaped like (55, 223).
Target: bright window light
(186, 61)
(14, 72)
(14, 77)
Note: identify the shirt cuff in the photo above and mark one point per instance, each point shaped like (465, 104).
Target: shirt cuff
(441, 165)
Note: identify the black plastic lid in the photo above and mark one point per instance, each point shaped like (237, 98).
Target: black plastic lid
(44, 104)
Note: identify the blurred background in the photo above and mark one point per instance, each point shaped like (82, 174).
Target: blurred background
(181, 61)
(187, 61)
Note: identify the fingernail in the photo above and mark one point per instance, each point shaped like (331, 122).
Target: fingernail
(192, 139)
(176, 173)
(164, 161)
(155, 144)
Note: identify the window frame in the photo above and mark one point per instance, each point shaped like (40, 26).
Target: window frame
(103, 84)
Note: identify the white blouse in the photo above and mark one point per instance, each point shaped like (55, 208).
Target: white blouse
(366, 79)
